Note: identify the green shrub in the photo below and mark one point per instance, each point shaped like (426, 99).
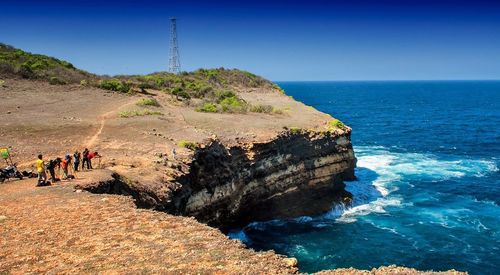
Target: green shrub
(202, 91)
(115, 85)
(67, 65)
(147, 85)
(188, 144)
(148, 102)
(2, 83)
(56, 81)
(179, 92)
(25, 71)
(221, 95)
(335, 124)
(39, 65)
(135, 113)
(208, 107)
(233, 105)
(295, 130)
(84, 83)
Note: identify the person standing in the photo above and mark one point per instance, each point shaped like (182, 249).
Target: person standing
(91, 156)
(52, 168)
(40, 169)
(85, 159)
(76, 162)
(65, 164)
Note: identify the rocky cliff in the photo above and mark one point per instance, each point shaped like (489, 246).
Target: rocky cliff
(291, 175)
(296, 173)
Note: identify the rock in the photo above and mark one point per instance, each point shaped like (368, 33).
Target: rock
(8, 112)
(286, 177)
(291, 262)
(3, 218)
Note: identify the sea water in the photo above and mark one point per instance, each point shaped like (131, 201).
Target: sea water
(428, 188)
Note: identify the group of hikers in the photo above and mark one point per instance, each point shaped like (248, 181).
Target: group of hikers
(65, 164)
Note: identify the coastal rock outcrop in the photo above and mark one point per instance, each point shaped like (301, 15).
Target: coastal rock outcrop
(294, 174)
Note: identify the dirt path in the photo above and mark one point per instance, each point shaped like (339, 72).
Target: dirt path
(102, 121)
(56, 230)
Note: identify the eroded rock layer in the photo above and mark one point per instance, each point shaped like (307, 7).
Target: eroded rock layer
(291, 175)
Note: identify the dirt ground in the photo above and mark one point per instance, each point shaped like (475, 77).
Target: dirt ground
(57, 230)
(36, 117)
(54, 120)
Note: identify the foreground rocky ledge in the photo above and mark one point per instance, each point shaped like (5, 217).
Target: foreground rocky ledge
(58, 229)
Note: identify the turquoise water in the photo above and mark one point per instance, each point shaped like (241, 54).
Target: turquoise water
(428, 194)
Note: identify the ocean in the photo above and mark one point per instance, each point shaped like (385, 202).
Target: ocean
(428, 188)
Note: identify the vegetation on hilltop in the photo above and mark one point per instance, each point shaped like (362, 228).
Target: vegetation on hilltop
(208, 90)
(36, 66)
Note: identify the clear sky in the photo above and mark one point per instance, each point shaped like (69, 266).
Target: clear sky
(280, 40)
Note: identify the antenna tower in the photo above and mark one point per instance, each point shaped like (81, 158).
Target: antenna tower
(174, 62)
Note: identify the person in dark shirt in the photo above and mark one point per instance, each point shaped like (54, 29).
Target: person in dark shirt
(51, 166)
(85, 159)
(76, 160)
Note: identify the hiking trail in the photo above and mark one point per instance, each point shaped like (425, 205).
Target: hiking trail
(102, 119)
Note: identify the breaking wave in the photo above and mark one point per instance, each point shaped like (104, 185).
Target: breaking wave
(381, 172)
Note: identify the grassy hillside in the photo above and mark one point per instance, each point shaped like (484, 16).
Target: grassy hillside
(207, 90)
(17, 62)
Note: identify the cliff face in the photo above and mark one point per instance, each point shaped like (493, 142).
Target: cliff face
(292, 175)
(289, 176)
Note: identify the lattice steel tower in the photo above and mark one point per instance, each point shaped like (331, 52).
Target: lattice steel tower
(174, 61)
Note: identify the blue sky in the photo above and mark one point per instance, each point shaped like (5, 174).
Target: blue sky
(280, 40)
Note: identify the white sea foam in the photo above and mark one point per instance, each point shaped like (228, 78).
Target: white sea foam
(380, 172)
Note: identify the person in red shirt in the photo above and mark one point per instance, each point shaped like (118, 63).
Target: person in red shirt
(91, 156)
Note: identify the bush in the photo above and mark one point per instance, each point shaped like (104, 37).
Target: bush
(2, 83)
(295, 130)
(115, 85)
(56, 81)
(188, 144)
(134, 113)
(278, 111)
(233, 105)
(148, 102)
(25, 71)
(84, 83)
(261, 109)
(221, 95)
(208, 107)
(179, 92)
(147, 85)
(335, 124)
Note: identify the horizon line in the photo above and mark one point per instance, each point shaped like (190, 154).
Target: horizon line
(388, 80)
